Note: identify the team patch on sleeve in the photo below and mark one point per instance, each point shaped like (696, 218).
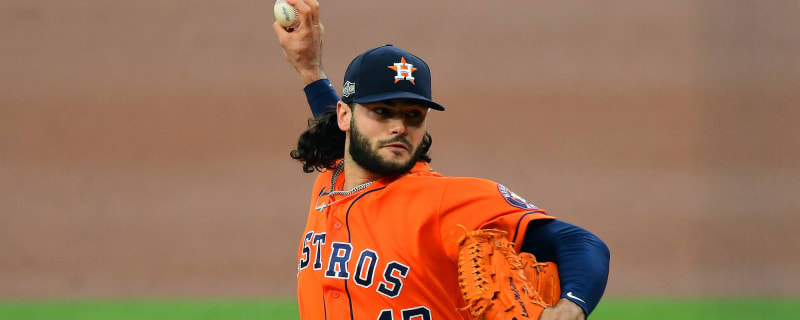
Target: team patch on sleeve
(514, 199)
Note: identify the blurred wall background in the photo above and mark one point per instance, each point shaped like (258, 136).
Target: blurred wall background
(144, 144)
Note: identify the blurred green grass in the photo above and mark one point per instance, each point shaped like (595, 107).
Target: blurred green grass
(149, 309)
(612, 308)
(696, 309)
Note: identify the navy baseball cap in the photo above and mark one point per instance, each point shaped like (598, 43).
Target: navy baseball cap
(385, 73)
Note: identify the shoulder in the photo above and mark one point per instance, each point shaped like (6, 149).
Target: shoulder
(474, 186)
(421, 176)
(470, 182)
(323, 179)
(468, 189)
(431, 182)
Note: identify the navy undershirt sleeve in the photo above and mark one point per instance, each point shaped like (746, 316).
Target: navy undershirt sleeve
(320, 94)
(582, 259)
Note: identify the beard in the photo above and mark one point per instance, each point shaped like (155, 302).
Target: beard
(368, 158)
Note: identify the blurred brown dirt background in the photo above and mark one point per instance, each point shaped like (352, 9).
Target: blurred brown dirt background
(144, 144)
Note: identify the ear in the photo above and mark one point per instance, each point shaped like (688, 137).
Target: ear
(343, 115)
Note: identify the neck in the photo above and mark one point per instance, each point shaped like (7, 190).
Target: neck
(355, 175)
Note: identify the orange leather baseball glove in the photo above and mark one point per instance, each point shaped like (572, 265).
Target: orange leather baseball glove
(499, 284)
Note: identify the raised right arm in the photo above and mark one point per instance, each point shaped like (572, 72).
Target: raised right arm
(302, 48)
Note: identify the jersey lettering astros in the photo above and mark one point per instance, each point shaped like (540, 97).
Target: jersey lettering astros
(389, 252)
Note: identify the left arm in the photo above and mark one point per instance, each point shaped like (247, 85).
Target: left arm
(583, 264)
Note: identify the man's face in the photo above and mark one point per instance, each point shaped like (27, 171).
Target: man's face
(385, 136)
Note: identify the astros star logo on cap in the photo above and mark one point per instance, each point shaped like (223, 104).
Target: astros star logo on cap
(404, 71)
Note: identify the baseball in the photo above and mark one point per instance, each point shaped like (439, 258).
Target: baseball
(286, 14)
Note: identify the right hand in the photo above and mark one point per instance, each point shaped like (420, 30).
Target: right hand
(302, 46)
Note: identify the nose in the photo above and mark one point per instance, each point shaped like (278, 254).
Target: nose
(397, 126)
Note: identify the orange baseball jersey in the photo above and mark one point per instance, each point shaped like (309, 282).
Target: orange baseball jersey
(389, 251)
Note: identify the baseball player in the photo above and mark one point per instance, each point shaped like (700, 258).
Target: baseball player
(386, 235)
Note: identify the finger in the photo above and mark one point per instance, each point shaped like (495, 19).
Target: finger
(279, 30)
(304, 9)
(314, 4)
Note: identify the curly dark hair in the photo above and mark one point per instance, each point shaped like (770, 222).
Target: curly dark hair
(322, 144)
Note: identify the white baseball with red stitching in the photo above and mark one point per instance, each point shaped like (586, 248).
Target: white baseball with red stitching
(286, 14)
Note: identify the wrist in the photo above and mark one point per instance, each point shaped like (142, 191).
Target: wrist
(574, 310)
(309, 76)
(564, 309)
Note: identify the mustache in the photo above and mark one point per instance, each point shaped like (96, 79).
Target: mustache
(402, 140)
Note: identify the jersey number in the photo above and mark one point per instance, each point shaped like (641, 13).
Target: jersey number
(418, 313)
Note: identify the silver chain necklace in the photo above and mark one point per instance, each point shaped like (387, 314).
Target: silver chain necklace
(348, 193)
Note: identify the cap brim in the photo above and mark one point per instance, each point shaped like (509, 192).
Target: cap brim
(397, 95)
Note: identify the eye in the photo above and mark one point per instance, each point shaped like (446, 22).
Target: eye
(413, 114)
(381, 111)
